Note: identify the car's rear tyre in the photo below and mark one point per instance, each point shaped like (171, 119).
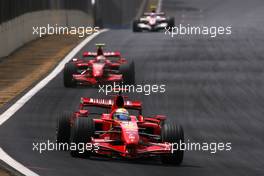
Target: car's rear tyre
(171, 22)
(81, 133)
(135, 26)
(172, 133)
(63, 127)
(69, 69)
(128, 72)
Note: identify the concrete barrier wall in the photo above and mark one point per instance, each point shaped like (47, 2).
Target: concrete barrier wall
(106, 13)
(18, 31)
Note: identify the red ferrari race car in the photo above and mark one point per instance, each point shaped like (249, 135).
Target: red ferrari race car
(118, 134)
(99, 68)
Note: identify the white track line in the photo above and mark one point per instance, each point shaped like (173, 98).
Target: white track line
(25, 98)
(16, 165)
(15, 107)
(159, 6)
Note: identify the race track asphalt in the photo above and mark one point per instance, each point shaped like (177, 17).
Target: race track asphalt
(214, 88)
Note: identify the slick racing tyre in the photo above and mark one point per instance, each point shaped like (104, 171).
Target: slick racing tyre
(171, 22)
(63, 128)
(172, 133)
(135, 26)
(69, 70)
(81, 133)
(128, 72)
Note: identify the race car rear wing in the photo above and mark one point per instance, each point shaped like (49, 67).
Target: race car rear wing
(108, 103)
(106, 54)
(149, 13)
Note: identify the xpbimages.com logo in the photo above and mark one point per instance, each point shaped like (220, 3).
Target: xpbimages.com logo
(81, 31)
(48, 145)
(145, 89)
(212, 31)
(212, 147)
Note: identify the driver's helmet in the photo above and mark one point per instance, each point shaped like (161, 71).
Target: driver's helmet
(153, 9)
(100, 51)
(100, 59)
(121, 114)
(152, 15)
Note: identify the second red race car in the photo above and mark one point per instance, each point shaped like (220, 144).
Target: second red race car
(116, 133)
(99, 68)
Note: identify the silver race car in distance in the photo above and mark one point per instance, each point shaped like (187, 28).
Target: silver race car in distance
(152, 21)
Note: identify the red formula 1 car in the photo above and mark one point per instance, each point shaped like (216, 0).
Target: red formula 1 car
(99, 68)
(118, 134)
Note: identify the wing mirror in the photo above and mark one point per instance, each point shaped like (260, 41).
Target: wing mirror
(160, 117)
(84, 112)
(140, 118)
(108, 120)
(122, 59)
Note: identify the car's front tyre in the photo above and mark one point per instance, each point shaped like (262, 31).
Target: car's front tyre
(69, 69)
(128, 73)
(171, 22)
(81, 133)
(63, 127)
(135, 26)
(173, 134)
